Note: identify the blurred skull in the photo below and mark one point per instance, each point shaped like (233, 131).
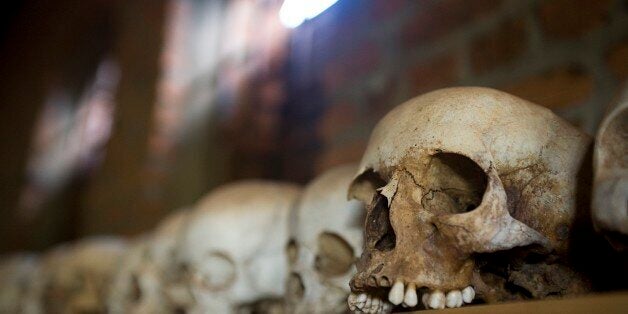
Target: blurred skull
(457, 176)
(325, 241)
(17, 275)
(135, 288)
(76, 276)
(162, 250)
(610, 199)
(146, 271)
(232, 248)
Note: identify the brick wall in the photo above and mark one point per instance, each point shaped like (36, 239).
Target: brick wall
(369, 56)
(213, 91)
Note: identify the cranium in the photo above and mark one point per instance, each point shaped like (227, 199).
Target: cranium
(610, 199)
(17, 275)
(457, 176)
(146, 272)
(232, 247)
(161, 253)
(325, 240)
(135, 287)
(77, 276)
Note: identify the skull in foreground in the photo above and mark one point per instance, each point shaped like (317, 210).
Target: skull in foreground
(232, 248)
(325, 241)
(610, 199)
(458, 176)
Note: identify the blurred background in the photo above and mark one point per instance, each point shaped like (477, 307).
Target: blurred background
(115, 113)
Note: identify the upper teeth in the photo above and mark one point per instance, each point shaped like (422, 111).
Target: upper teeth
(407, 296)
(395, 296)
(454, 298)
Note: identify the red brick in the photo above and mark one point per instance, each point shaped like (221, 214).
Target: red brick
(340, 154)
(435, 19)
(272, 94)
(617, 61)
(384, 9)
(556, 89)
(499, 47)
(380, 101)
(573, 18)
(357, 63)
(439, 72)
(337, 118)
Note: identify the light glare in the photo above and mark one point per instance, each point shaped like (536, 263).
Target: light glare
(295, 12)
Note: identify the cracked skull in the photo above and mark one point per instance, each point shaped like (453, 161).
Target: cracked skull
(325, 241)
(456, 174)
(232, 248)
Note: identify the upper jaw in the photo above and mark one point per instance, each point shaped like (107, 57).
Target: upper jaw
(379, 299)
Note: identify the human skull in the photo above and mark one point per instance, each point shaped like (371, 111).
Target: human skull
(456, 174)
(325, 241)
(135, 287)
(147, 271)
(162, 250)
(17, 274)
(610, 198)
(232, 247)
(77, 276)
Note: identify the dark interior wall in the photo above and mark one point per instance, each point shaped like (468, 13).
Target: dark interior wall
(214, 91)
(368, 56)
(45, 45)
(115, 198)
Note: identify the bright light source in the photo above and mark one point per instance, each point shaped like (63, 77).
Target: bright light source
(295, 12)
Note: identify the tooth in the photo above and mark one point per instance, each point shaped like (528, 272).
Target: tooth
(384, 282)
(386, 308)
(454, 298)
(395, 296)
(424, 298)
(375, 302)
(361, 297)
(367, 305)
(359, 305)
(351, 301)
(371, 281)
(410, 299)
(468, 294)
(368, 308)
(437, 300)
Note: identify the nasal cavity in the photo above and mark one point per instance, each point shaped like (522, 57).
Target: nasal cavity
(379, 232)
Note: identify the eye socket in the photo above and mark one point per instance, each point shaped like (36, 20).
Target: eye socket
(456, 184)
(295, 287)
(335, 256)
(364, 186)
(136, 291)
(217, 272)
(292, 250)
